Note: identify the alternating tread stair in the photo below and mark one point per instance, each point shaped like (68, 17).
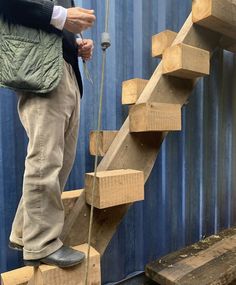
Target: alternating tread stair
(129, 155)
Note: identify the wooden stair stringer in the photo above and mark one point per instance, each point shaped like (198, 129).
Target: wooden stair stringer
(136, 151)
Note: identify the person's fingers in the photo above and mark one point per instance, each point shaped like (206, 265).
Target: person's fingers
(87, 47)
(87, 17)
(88, 11)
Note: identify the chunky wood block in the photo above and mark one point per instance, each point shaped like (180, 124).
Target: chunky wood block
(52, 275)
(210, 261)
(115, 187)
(19, 276)
(132, 89)
(105, 139)
(152, 117)
(217, 15)
(185, 61)
(161, 42)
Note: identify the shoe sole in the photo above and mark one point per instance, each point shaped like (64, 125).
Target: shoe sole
(37, 263)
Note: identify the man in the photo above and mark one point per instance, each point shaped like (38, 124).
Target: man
(51, 122)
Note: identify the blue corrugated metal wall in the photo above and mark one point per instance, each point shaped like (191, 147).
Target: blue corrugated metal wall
(191, 191)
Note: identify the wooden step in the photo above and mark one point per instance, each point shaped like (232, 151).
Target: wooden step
(217, 15)
(228, 44)
(105, 139)
(115, 187)
(186, 61)
(161, 42)
(210, 261)
(152, 117)
(69, 199)
(132, 89)
(51, 275)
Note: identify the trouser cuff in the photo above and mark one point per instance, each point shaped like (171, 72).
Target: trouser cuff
(52, 247)
(16, 240)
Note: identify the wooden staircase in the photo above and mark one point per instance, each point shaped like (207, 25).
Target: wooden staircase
(130, 154)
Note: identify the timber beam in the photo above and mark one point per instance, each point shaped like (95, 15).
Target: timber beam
(216, 15)
(132, 89)
(207, 262)
(154, 117)
(161, 42)
(186, 61)
(114, 187)
(105, 139)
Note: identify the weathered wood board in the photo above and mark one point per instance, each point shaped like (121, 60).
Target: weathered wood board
(210, 261)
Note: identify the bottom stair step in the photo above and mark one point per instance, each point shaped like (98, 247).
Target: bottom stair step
(52, 275)
(115, 187)
(210, 261)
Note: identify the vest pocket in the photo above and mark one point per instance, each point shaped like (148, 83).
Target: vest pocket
(22, 64)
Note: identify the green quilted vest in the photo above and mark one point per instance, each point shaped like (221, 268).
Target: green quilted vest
(30, 60)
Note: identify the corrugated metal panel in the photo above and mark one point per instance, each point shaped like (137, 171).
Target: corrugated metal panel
(191, 191)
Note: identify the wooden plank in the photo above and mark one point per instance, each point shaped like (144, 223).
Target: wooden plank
(185, 61)
(115, 187)
(206, 262)
(53, 275)
(161, 42)
(148, 117)
(217, 15)
(19, 276)
(136, 151)
(105, 139)
(228, 44)
(131, 90)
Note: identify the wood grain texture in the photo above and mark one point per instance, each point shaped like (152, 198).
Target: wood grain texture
(135, 151)
(186, 61)
(69, 199)
(210, 261)
(161, 42)
(152, 117)
(45, 274)
(105, 139)
(132, 89)
(20, 276)
(217, 15)
(114, 187)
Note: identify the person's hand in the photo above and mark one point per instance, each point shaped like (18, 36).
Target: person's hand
(85, 48)
(79, 19)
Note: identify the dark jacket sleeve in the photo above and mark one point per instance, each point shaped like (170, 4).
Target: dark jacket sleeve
(32, 13)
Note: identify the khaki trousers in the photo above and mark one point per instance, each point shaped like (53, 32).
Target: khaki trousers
(52, 124)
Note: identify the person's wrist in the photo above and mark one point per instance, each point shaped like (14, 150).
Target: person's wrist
(59, 17)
